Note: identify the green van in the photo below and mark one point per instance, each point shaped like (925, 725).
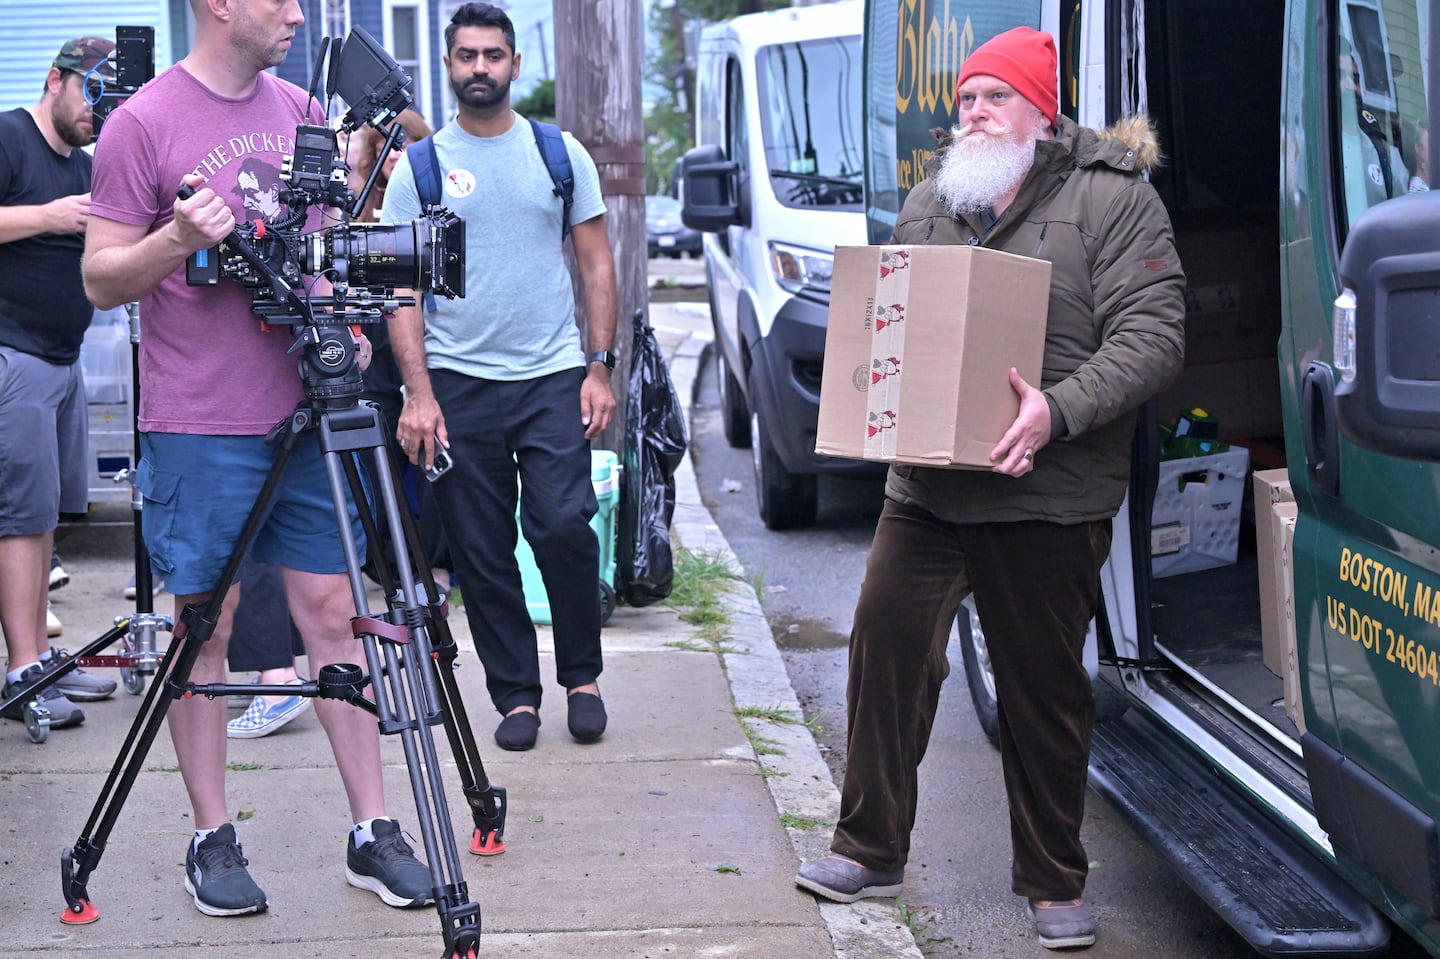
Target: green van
(1272, 602)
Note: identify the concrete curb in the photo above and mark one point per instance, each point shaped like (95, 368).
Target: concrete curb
(798, 779)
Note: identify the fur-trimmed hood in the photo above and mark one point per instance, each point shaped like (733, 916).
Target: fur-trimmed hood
(1129, 145)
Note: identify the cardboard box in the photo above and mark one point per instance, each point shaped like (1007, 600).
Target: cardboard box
(919, 348)
(1272, 487)
(1195, 523)
(1291, 676)
(1271, 520)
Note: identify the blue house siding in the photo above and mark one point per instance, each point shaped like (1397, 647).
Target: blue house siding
(35, 29)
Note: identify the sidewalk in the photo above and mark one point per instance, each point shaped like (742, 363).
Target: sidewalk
(664, 839)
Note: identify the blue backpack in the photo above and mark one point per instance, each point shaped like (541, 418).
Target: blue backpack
(426, 167)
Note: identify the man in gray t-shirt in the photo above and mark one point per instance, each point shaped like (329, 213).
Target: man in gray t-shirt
(505, 381)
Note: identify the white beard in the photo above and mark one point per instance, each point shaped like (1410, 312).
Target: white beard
(978, 170)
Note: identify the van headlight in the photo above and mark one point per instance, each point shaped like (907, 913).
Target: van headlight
(796, 267)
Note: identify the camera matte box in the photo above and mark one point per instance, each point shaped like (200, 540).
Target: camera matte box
(918, 352)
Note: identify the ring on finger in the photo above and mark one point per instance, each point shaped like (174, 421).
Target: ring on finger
(1029, 456)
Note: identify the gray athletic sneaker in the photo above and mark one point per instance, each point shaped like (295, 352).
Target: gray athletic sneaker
(215, 876)
(386, 865)
(63, 712)
(78, 684)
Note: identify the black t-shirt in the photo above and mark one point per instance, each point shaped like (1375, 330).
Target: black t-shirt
(43, 310)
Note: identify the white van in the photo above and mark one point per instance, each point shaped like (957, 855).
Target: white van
(775, 181)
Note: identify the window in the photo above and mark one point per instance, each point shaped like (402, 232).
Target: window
(406, 40)
(1380, 101)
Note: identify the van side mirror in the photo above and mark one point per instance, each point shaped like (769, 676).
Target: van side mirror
(1387, 329)
(710, 190)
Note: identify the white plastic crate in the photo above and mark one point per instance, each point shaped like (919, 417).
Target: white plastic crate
(1196, 521)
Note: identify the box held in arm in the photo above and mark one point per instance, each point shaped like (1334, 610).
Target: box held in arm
(919, 348)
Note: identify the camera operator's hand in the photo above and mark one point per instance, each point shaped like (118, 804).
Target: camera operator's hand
(421, 423)
(364, 351)
(202, 219)
(68, 214)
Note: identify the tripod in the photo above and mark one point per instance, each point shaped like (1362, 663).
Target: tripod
(140, 657)
(409, 651)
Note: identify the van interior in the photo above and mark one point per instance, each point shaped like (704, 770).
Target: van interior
(1214, 87)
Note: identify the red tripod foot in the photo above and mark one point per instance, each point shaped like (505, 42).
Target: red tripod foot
(487, 843)
(80, 914)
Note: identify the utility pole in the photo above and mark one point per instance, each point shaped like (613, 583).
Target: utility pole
(599, 58)
(544, 53)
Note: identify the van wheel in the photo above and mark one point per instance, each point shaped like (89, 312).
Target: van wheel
(787, 500)
(979, 675)
(734, 415)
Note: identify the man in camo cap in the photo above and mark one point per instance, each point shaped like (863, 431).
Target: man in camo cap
(44, 209)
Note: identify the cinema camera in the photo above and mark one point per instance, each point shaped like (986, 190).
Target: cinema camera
(365, 263)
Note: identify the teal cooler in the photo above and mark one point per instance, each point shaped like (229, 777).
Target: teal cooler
(605, 475)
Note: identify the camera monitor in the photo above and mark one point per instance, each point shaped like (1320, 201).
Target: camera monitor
(370, 80)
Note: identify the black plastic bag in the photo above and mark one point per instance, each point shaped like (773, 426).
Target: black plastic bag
(655, 442)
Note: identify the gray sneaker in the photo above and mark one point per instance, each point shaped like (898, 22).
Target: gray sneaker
(78, 684)
(386, 865)
(844, 880)
(1062, 925)
(216, 877)
(63, 712)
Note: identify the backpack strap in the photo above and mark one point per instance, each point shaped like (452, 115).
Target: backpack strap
(557, 161)
(425, 165)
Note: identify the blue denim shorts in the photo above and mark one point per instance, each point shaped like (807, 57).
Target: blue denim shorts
(198, 490)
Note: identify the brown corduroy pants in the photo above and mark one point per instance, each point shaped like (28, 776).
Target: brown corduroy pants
(1036, 589)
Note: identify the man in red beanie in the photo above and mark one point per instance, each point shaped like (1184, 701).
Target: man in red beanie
(1029, 537)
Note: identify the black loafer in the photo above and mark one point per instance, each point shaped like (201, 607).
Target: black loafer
(587, 717)
(517, 731)
(838, 879)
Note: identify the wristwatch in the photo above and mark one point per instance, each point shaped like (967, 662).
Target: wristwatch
(602, 356)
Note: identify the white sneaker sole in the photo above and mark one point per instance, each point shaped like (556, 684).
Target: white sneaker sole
(374, 885)
(210, 910)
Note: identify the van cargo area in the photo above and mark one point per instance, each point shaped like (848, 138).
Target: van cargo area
(1217, 126)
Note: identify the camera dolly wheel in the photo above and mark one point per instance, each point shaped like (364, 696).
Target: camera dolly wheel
(37, 721)
(132, 680)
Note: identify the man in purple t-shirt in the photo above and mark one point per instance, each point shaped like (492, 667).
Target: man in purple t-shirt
(212, 385)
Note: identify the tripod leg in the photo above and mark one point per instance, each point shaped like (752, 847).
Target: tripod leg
(196, 626)
(406, 699)
(487, 802)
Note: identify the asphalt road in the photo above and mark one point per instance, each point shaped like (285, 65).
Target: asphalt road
(957, 882)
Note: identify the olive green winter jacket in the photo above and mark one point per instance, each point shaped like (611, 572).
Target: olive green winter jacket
(1115, 333)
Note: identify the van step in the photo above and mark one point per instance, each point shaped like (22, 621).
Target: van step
(1274, 892)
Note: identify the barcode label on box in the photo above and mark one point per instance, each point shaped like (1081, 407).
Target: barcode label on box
(1171, 538)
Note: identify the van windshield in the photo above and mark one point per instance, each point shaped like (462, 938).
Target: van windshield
(810, 98)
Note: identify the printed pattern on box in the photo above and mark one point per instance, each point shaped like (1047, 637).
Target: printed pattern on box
(887, 338)
(1196, 521)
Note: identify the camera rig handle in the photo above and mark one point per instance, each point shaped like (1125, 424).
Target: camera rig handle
(281, 289)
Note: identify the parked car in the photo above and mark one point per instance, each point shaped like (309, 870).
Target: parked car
(664, 233)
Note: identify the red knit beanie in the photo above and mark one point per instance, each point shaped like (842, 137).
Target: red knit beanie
(1023, 58)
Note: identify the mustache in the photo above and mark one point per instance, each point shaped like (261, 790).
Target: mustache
(994, 129)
